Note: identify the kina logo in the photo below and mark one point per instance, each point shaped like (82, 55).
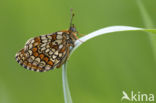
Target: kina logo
(137, 96)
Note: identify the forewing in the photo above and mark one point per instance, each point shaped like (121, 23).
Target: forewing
(43, 53)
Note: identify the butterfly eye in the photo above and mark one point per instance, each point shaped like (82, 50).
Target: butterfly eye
(72, 28)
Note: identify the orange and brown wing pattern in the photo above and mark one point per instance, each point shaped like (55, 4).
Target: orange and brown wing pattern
(44, 52)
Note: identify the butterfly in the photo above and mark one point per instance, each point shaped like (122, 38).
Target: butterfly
(47, 52)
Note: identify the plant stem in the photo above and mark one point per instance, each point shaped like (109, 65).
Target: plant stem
(67, 95)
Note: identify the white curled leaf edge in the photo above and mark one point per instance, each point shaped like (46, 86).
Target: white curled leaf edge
(103, 31)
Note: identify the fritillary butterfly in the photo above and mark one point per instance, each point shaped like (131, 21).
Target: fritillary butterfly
(47, 52)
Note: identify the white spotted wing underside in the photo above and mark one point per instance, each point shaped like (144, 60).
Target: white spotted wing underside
(44, 52)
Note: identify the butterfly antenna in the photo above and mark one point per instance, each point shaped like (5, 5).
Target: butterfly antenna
(72, 15)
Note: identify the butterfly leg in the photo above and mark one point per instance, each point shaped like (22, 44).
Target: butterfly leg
(77, 38)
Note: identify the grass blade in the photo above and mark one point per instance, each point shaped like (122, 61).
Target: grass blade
(103, 31)
(148, 24)
(67, 95)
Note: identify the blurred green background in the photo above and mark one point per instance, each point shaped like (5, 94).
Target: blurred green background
(98, 71)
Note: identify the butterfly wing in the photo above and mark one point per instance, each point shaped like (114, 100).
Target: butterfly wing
(44, 52)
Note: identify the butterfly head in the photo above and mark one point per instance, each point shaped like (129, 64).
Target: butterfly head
(72, 28)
